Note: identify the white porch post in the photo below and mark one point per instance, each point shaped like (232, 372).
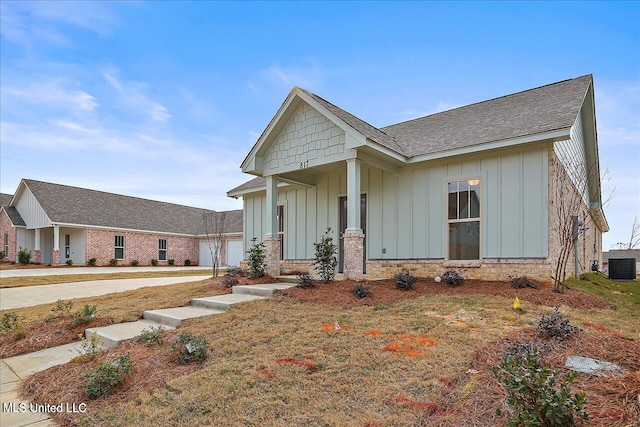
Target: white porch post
(353, 237)
(271, 239)
(56, 245)
(37, 253)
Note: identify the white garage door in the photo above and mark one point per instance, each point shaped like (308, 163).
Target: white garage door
(205, 254)
(235, 252)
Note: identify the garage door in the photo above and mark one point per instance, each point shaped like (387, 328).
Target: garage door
(205, 254)
(235, 252)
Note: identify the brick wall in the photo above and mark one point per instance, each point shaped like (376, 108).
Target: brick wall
(139, 246)
(7, 227)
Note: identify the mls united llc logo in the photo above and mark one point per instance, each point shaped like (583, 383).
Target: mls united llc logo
(23, 407)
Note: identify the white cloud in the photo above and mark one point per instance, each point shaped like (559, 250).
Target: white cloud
(307, 76)
(51, 93)
(133, 96)
(618, 111)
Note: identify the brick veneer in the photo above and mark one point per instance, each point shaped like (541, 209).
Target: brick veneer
(7, 227)
(353, 253)
(272, 252)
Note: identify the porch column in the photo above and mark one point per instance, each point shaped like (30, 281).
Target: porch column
(37, 253)
(353, 236)
(271, 239)
(55, 259)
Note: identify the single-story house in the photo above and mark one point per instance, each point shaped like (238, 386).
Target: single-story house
(470, 188)
(59, 223)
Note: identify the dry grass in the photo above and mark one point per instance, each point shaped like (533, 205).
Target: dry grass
(16, 282)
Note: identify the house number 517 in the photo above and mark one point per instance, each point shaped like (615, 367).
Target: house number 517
(304, 164)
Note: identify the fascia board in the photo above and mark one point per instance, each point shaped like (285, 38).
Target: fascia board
(242, 192)
(131, 230)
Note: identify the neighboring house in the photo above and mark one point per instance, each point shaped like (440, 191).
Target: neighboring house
(467, 188)
(59, 223)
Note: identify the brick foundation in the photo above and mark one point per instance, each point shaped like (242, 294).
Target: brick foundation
(56, 257)
(353, 253)
(37, 256)
(272, 252)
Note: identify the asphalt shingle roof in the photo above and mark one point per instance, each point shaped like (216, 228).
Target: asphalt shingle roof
(74, 205)
(5, 199)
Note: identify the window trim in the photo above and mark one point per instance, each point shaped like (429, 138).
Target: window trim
(116, 246)
(6, 245)
(282, 234)
(481, 179)
(161, 249)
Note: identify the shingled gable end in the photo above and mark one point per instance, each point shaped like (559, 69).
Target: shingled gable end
(465, 188)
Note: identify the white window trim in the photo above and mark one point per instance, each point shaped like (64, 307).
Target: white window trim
(448, 221)
(282, 234)
(116, 247)
(160, 250)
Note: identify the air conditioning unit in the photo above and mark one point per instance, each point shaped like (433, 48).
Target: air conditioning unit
(622, 268)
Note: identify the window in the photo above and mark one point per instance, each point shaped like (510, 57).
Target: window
(67, 246)
(280, 216)
(119, 245)
(6, 244)
(463, 219)
(162, 249)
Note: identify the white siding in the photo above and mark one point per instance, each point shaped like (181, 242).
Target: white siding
(572, 155)
(31, 211)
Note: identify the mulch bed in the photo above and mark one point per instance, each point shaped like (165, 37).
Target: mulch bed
(383, 292)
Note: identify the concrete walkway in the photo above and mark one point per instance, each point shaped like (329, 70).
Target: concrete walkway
(28, 296)
(58, 271)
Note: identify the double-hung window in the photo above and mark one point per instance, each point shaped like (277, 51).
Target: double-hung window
(162, 249)
(119, 247)
(280, 217)
(463, 219)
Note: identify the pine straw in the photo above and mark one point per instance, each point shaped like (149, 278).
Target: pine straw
(152, 368)
(340, 294)
(611, 401)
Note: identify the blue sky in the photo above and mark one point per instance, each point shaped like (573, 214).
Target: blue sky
(163, 100)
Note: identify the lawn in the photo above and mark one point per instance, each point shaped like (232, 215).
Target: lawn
(424, 358)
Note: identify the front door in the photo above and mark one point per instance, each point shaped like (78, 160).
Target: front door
(343, 227)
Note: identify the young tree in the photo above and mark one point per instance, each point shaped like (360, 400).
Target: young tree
(634, 240)
(215, 224)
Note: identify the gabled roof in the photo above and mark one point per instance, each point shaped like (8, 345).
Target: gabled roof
(5, 199)
(14, 216)
(65, 204)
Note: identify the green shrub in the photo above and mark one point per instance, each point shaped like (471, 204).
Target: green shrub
(61, 309)
(256, 259)
(2, 255)
(113, 261)
(92, 262)
(404, 280)
(89, 347)
(453, 278)
(361, 291)
(102, 380)
(228, 281)
(12, 324)
(69, 261)
(325, 257)
(532, 395)
(555, 325)
(154, 262)
(190, 347)
(85, 314)
(152, 335)
(24, 256)
(135, 262)
(187, 262)
(305, 281)
(172, 261)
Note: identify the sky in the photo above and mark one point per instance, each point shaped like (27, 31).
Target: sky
(163, 100)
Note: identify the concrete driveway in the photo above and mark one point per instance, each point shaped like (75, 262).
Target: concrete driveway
(92, 270)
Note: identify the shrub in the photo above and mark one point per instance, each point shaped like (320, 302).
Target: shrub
(187, 262)
(135, 262)
(256, 259)
(24, 256)
(2, 255)
(228, 281)
(61, 309)
(517, 349)
(151, 335)
(325, 257)
(305, 281)
(361, 291)
(12, 324)
(555, 325)
(236, 272)
(154, 262)
(172, 261)
(532, 394)
(102, 380)
(89, 346)
(404, 280)
(518, 282)
(189, 347)
(69, 262)
(453, 278)
(85, 314)
(92, 262)
(113, 261)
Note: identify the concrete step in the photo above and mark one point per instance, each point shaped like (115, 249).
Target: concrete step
(223, 302)
(111, 335)
(175, 316)
(288, 279)
(262, 290)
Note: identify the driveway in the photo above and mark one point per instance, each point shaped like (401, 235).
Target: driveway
(24, 272)
(27, 296)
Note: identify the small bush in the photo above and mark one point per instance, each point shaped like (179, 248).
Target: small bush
(92, 262)
(404, 280)
(69, 262)
(12, 324)
(453, 278)
(256, 258)
(190, 347)
(361, 291)
(518, 282)
(2, 255)
(325, 261)
(187, 262)
(152, 335)
(102, 380)
(305, 281)
(89, 346)
(61, 309)
(85, 314)
(532, 394)
(236, 272)
(172, 261)
(154, 262)
(24, 256)
(113, 261)
(555, 325)
(228, 281)
(517, 349)
(135, 262)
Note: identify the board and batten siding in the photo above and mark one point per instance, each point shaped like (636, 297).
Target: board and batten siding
(31, 211)
(406, 211)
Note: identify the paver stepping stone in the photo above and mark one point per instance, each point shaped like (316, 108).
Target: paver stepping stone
(175, 316)
(113, 334)
(263, 290)
(223, 302)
